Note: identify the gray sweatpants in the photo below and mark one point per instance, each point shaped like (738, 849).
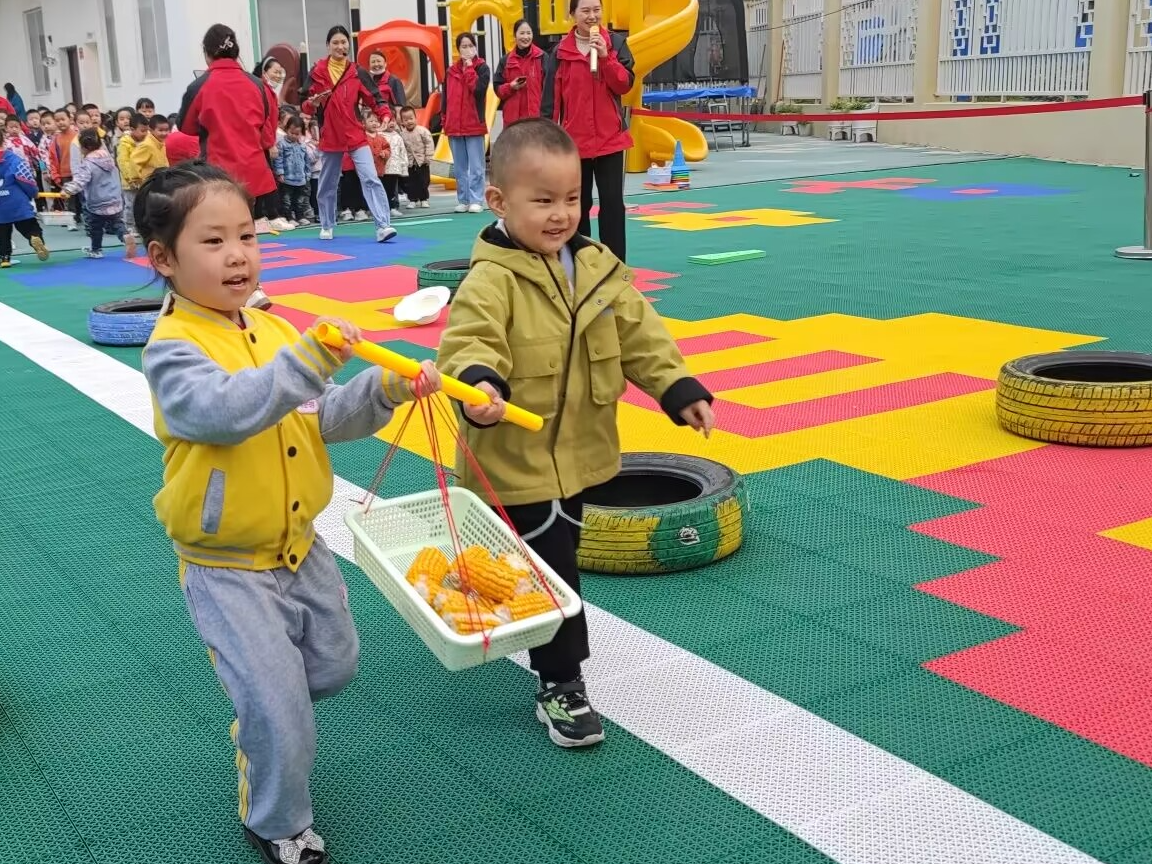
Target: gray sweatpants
(280, 641)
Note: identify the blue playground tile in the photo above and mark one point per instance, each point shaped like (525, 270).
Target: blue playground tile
(986, 190)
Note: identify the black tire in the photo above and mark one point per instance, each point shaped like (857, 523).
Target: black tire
(674, 513)
(447, 273)
(1085, 398)
(123, 322)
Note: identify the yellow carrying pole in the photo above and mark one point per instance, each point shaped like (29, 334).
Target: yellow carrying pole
(408, 368)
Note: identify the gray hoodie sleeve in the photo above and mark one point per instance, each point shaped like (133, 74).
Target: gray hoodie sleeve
(202, 403)
(362, 407)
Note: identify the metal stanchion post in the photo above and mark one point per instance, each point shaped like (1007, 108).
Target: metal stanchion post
(1144, 253)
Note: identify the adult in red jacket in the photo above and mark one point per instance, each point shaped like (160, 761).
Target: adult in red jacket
(519, 79)
(336, 89)
(587, 105)
(465, 96)
(234, 115)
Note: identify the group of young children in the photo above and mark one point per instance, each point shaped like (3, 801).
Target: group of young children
(93, 162)
(244, 405)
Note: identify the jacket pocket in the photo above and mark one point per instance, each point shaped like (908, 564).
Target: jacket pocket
(535, 377)
(605, 373)
(212, 509)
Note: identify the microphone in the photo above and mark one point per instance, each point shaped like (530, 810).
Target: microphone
(593, 56)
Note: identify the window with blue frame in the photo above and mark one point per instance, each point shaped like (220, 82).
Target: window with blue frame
(1085, 23)
(990, 37)
(962, 28)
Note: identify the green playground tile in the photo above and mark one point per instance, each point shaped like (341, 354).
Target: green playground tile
(818, 477)
(765, 495)
(1141, 853)
(728, 257)
(776, 847)
(795, 579)
(906, 557)
(926, 719)
(916, 625)
(805, 661)
(694, 614)
(818, 525)
(902, 503)
(1077, 791)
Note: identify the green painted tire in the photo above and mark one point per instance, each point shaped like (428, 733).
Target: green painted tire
(447, 273)
(663, 513)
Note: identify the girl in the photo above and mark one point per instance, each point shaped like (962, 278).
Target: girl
(244, 406)
(519, 80)
(396, 168)
(465, 92)
(587, 105)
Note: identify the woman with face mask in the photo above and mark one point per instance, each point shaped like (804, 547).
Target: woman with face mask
(465, 124)
(519, 79)
(336, 90)
(391, 87)
(273, 74)
(585, 78)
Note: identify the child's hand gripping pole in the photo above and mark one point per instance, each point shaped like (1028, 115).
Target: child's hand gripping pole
(410, 369)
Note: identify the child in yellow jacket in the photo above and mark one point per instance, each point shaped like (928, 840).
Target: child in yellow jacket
(553, 321)
(130, 179)
(149, 154)
(244, 406)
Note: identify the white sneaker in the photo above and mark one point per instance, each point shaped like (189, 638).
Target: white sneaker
(411, 205)
(281, 224)
(461, 208)
(424, 204)
(346, 216)
(385, 234)
(475, 208)
(362, 215)
(325, 233)
(263, 226)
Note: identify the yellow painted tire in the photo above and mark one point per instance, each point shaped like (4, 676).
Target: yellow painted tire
(1086, 398)
(664, 513)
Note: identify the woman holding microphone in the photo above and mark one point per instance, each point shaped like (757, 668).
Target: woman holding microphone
(588, 73)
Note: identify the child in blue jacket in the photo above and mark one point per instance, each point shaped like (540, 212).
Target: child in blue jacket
(18, 191)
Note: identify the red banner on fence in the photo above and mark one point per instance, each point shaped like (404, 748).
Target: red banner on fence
(957, 114)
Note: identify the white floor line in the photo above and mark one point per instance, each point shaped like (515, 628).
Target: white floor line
(852, 800)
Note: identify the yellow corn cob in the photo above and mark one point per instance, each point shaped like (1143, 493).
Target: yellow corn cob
(430, 562)
(527, 605)
(474, 623)
(497, 581)
(470, 557)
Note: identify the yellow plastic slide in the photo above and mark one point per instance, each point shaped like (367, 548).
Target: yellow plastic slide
(669, 26)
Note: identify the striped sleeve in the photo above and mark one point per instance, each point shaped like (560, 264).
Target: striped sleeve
(363, 406)
(201, 402)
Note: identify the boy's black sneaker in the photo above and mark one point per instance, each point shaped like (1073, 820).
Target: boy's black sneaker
(307, 847)
(571, 720)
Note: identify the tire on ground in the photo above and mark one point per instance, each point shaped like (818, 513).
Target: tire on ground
(448, 273)
(123, 322)
(1086, 398)
(674, 513)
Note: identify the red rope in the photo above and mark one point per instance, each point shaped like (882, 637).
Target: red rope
(958, 114)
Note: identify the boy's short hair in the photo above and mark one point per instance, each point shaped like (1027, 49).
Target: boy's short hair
(12, 119)
(158, 120)
(137, 120)
(407, 109)
(89, 140)
(531, 133)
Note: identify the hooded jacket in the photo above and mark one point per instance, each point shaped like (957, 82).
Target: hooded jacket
(465, 95)
(565, 352)
(234, 114)
(341, 130)
(525, 102)
(17, 189)
(586, 105)
(98, 180)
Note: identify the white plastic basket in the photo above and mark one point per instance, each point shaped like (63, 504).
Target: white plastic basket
(390, 534)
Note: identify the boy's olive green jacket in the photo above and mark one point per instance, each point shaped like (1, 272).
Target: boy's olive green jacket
(565, 355)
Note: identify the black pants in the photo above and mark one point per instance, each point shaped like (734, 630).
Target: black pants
(349, 195)
(560, 659)
(419, 179)
(28, 227)
(312, 202)
(99, 225)
(392, 189)
(608, 172)
(267, 206)
(294, 202)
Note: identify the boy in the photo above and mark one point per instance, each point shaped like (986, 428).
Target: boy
(98, 180)
(418, 143)
(580, 332)
(17, 192)
(60, 160)
(149, 154)
(16, 141)
(293, 166)
(129, 175)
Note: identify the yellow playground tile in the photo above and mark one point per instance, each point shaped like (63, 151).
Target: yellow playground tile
(694, 220)
(1134, 534)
